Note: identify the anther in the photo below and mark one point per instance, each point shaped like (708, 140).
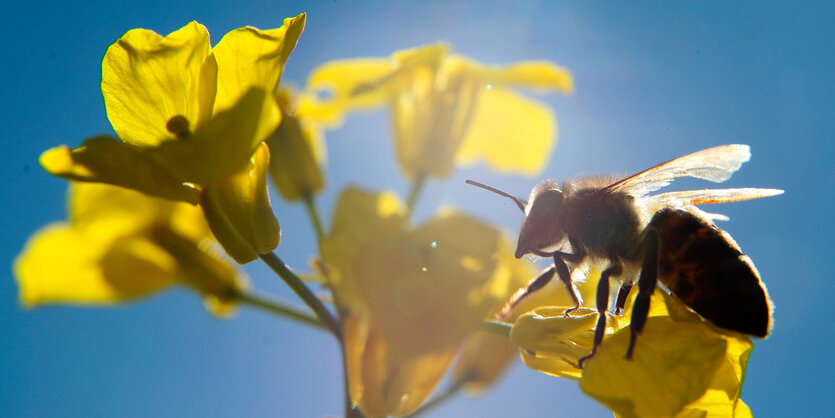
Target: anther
(178, 125)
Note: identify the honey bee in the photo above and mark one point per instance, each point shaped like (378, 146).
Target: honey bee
(617, 226)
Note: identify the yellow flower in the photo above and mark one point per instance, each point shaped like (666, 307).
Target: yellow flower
(120, 245)
(298, 152)
(681, 364)
(447, 108)
(485, 356)
(191, 120)
(407, 297)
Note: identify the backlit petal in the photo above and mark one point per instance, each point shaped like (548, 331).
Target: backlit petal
(248, 57)
(483, 360)
(148, 79)
(239, 213)
(510, 132)
(224, 145)
(338, 86)
(297, 153)
(61, 265)
(107, 160)
(673, 365)
(535, 75)
(413, 295)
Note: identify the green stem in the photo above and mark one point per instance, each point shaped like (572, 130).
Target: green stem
(279, 308)
(313, 214)
(417, 187)
(304, 292)
(322, 313)
(496, 327)
(439, 399)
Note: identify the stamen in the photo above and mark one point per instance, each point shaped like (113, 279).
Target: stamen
(178, 125)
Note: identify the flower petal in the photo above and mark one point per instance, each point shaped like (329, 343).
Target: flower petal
(483, 359)
(413, 296)
(107, 160)
(248, 57)
(65, 266)
(339, 86)
(239, 213)
(224, 145)
(673, 365)
(197, 268)
(297, 152)
(536, 75)
(715, 404)
(510, 132)
(148, 79)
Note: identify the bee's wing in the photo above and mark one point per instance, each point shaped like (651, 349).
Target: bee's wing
(714, 164)
(700, 197)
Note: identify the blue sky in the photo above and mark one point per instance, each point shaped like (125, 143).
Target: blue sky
(653, 81)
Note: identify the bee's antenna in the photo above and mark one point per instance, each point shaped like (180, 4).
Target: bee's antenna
(519, 202)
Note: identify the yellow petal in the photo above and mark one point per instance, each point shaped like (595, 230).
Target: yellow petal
(483, 360)
(553, 343)
(107, 211)
(716, 404)
(119, 245)
(208, 274)
(412, 295)
(673, 365)
(536, 75)
(148, 79)
(107, 160)
(248, 57)
(741, 410)
(61, 265)
(296, 155)
(338, 86)
(224, 145)
(239, 213)
(510, 132)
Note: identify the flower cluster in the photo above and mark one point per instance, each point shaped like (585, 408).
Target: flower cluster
(180, 194)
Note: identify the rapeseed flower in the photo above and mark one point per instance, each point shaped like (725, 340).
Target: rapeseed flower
(119, 245)
(681, 366)
(447, 108)
(191, 120)
(407, 297)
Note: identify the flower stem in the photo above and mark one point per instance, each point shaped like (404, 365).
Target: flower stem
(295, 283)
(280, 308)
(439, 399)
(417, 187)
(495, 327)
(313, 214)
(323, 315)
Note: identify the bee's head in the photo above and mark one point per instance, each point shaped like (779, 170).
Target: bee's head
(541, 228)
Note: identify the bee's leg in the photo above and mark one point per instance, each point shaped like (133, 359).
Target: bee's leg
(646, 285)
(602, 307)
(623, 293)
(533, 286)
(565, 277)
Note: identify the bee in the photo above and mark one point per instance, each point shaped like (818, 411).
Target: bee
(634, 237)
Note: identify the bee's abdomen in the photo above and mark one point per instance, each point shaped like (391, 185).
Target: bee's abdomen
(705, 269)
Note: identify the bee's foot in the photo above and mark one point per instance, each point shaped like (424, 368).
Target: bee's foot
(569, 311)
(583, 360)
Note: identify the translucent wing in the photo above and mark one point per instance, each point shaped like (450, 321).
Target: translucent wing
(701, 197)
(714, 164)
